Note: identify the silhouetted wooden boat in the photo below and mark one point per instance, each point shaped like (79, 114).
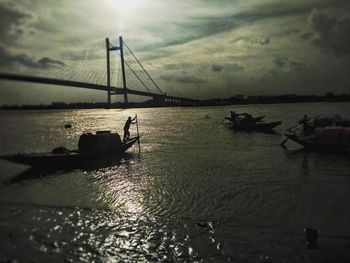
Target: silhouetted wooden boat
(71, 159)
(331, 138)
(321, 133)
(246, 122)
(258, 126)
(257, 119)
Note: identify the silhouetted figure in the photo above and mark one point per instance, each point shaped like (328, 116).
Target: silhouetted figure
(248, 119)
(127, 126)
(304, 122)
(245, 117)
(311, 237)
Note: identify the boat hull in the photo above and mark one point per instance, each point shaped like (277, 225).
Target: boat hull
(70, 159)
(257, 119)
(260, 126)
(314, 145)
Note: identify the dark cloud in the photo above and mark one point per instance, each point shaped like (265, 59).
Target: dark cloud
(253, 40)
(177, 66)
(330, 3)
(12, 20)
(49, 63)
(287, 64)
(214, 25)
(200, 26)
(307, 35)
(265, 41)
(332, 32)
(216, 68)
(183, 78)
(227, 67)
(203, 25)
(10, 60)
(301, 78)
(281, 61)
(284, 72)
(234, 67)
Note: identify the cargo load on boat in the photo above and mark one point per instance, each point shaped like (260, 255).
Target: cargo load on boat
(329, 133)
(332, 136)
(103, 142)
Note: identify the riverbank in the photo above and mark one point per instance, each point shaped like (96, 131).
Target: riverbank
(235, 100)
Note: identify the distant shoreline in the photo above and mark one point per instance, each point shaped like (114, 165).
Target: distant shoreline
(236, 100)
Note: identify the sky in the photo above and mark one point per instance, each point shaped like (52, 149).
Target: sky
(192, 48)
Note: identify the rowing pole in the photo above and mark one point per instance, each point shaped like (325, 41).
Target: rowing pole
(138, 135)
(289, 130)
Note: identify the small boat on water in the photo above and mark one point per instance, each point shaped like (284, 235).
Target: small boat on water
(257, 119)
(258, 126)
(246, 122)
(321, 134)
(234, 115)
(91, 148)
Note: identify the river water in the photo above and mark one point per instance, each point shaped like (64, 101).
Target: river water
(198, 191)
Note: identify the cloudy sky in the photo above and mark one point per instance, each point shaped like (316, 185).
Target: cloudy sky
(192, 48)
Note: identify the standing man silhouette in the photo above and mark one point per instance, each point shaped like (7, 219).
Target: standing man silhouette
(127, 126)
(304, 122)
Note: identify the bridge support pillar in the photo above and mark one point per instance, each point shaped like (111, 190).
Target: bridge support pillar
(110, 48)
(108, 73)
(123, 68)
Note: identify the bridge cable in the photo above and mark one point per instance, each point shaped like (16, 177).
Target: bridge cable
(161, 92)
(126, 63)
(137, 76)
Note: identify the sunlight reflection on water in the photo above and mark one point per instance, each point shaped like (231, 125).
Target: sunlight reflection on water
(198, 190)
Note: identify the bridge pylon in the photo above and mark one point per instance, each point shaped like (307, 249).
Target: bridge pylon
(110, 48)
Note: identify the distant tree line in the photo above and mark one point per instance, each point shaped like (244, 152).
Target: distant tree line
(234, 100)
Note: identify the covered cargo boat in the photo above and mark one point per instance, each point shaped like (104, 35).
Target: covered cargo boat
(318, 135)
(91, 148)
(248, 123)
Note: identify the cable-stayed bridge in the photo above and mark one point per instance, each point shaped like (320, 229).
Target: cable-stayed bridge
(98, 69)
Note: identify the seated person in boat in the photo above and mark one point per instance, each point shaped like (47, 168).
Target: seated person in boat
(247, 116)
(248, 119)
(127, 126)
(305, 122)
(233, 114)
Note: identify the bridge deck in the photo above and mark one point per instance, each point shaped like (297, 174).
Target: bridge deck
(77, 84)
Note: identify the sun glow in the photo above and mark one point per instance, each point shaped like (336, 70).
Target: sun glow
(127, 6)
(126, 11)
